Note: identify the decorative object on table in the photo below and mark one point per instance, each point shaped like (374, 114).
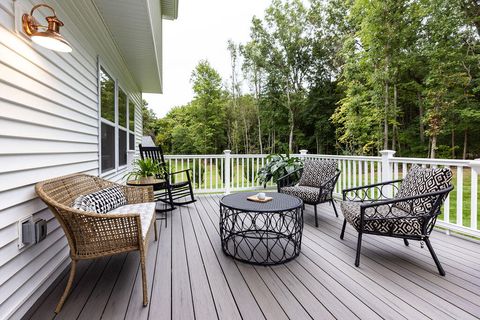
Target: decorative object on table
(261, 233)
(177, 192)
(411, 214)
(146, 170)
(278, 165)
(314, 183)
(260, 197)
(77, 203)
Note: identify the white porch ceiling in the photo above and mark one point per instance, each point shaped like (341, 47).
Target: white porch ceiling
(136, 27)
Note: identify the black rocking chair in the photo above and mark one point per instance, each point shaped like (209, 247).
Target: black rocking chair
(174, 190)
(314, 183)
(411, 214)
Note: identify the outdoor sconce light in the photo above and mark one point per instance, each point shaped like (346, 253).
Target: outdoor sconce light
(46, 36)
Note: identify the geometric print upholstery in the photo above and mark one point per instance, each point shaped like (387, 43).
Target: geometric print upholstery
(402, 226)
(307, 194)
(101, 201)
(317, 172)
(146, 211)
(420, 181)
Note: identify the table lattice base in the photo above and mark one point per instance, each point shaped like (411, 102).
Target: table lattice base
(262, 238)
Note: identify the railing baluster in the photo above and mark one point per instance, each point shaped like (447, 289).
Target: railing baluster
(459, 195)
(354, 173)
(446, 208)
(474, 194)
(205, 173)
(365, 170)
(360, 173)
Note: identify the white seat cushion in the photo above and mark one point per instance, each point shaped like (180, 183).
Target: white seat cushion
(146, 211)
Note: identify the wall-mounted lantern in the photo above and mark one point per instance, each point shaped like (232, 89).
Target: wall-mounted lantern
(46, 36)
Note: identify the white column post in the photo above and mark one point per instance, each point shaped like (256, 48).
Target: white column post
(475, 165)
(227, 170)
(387, 156)
(303, 153)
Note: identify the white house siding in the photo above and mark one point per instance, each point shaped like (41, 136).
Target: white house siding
(48, 127)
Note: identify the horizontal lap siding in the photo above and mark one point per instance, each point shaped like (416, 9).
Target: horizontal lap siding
(48, 128)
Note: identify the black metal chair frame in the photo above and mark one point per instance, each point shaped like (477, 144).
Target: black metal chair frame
(293, 177)
(175, 191)
(364, 194)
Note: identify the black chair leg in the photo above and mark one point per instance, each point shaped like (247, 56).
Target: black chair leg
(316, 217)
(334, 208)
(406, 242)
(434, 256)
(359, 248)
(343, 228)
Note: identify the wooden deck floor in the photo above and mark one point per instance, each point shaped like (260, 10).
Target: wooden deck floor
(190, 277)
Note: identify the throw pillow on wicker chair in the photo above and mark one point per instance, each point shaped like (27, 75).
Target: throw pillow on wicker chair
(101, 201)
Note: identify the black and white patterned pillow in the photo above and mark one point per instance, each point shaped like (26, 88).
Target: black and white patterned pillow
(317, 172)
(421, 181)
(101, 201)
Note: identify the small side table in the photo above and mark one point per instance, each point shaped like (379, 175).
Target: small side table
(155, 183)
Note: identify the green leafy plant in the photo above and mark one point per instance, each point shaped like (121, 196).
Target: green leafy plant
(144, 168)
(277, 166)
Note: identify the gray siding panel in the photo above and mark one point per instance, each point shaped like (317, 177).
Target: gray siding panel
(48, 127)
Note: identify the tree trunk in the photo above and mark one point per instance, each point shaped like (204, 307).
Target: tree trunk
(422, 127)
(290, 122)
(465, 137)
(385, 120)
(453, 144)
(394, 126)
(433, 146)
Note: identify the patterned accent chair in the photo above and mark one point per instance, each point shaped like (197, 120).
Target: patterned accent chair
(411, 214)
(314, 183)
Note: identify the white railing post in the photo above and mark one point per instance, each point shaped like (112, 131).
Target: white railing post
(475, 165)
(227, 170)
(303, 153)
(387, 156)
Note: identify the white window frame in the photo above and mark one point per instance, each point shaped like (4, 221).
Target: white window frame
(131, 130)
(115, 125)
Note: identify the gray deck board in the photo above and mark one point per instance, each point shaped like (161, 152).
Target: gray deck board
(189, 277)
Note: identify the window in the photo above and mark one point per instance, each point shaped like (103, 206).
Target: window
(117, 123)
(107, 107)
(131, 125)
(122, 128)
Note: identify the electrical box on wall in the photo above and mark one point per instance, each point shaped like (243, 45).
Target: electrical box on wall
(40, 230)
(31, 232)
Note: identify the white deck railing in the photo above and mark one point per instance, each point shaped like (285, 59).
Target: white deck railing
(236, 172)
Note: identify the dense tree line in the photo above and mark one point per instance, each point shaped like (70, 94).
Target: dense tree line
(344, 77)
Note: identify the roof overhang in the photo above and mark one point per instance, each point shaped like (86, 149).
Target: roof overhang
(136, 28)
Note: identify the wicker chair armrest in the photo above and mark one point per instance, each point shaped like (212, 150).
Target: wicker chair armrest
(363, 193)
(103, 234)
(136, 194)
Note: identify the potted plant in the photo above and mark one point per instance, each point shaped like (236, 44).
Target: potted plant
(277, 166)
(145, 170)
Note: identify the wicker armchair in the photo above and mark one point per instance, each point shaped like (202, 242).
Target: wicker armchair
(314, 183)
(92, 235)
(410, 214)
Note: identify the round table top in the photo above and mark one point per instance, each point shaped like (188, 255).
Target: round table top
(280, 202)
(139, 183)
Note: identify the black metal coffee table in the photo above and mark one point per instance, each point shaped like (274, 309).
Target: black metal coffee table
(261, 233)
